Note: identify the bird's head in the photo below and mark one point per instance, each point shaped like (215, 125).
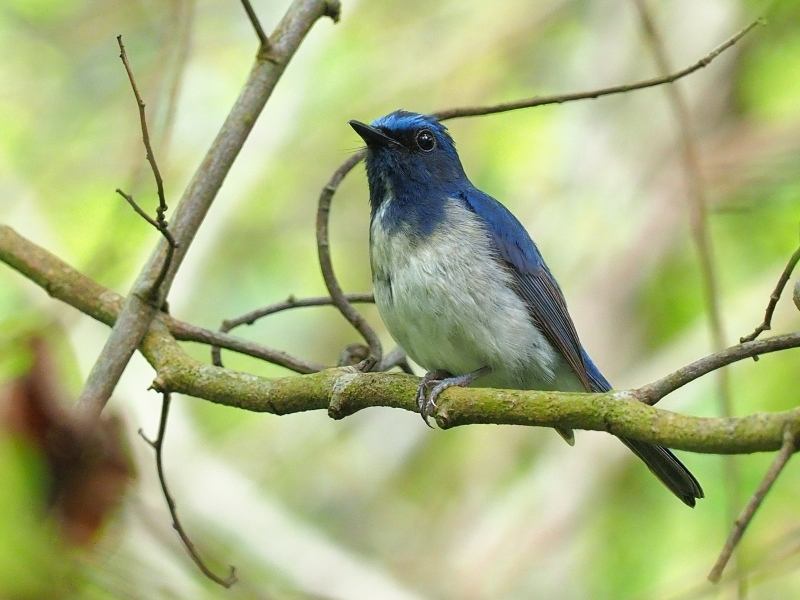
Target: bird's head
(409, 154)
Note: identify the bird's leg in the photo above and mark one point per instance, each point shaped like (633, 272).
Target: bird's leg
(441, 380)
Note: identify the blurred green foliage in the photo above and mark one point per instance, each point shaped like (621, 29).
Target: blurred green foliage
(377, 506)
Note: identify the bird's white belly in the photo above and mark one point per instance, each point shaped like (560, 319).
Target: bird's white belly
(450, 305)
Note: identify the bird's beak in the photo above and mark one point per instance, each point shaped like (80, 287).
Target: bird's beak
(373, 137)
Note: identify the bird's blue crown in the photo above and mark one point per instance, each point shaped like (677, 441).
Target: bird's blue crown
(413, 160)
(402, 126)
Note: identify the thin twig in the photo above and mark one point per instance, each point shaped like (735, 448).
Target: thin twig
(141, 212)
(746, 516)
(289, 303)
(698, 211)
(474, 111)
(262, 37)
(186, 332)
(324, 252)
(160, 221)
(162, 202)
(766, 325)
(655, 391)
(158, 445)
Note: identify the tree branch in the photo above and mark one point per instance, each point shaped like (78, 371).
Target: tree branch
(766, 324)
(139, 309)
(159, 223)
(787, 449)
(289, 303)
(476, 111)
(158, 446)
(324, 253)
(344, 391)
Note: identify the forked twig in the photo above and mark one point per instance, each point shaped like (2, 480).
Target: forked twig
(160, 221)
(158, 445)
(162, 203)
(766, 324)
(289, 303)
(787, 449)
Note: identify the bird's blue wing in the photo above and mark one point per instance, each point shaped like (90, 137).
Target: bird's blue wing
(535, 285)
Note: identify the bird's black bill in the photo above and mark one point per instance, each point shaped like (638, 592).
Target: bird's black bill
(372, 136)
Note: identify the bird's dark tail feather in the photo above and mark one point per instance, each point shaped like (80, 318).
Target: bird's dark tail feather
(666, 466)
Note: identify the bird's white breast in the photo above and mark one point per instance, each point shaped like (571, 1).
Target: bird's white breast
(449, 303)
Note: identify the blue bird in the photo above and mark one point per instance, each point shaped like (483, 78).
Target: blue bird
(462, 287)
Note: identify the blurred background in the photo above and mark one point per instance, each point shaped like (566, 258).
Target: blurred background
(378, 506)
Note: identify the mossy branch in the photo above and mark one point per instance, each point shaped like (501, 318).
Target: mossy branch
(344, 391)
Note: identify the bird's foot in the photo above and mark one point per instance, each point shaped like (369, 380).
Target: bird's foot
(429, 381)
(439, 381)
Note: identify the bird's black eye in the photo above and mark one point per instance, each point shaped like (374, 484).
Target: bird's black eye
(425, 140)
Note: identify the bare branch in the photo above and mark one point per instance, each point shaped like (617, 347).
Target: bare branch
(163, 227)
(289, 303)
(787, 449)
(324, 252)
(186, 332)
(766, 324)
(140, 309)
(158, 445)
(475, 111)
(160, 221)
(653, 392)
(139, 210)
(162, 202)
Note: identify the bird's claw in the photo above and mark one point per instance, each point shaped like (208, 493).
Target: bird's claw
(440, 381)
(426, 403)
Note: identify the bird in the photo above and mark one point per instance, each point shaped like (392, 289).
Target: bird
(462, 287)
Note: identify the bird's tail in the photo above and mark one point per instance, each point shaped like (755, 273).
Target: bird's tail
(666, 466)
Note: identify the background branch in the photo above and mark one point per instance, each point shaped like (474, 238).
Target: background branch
(476, 111)
(698, 214)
